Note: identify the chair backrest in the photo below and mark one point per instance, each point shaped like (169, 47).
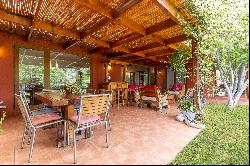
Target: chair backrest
(92, 91)
(119, 85)
(94, 105)
(124, 85)
(25, 100)
(112, 85)
(22, 107)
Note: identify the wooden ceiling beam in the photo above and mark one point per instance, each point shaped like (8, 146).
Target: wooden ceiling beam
(98, 42)
(146, 47)
(160, 26)
(126, 39)
(14, 18)
(168, 7)
(110, 15)
(97, 6)
(35, 17)
(172, 40)
(159, 52)
(149, 31)
(158, 39)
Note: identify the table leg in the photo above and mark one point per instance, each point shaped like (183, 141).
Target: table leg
(118, 98)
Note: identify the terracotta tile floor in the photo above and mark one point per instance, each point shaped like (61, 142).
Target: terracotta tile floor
(138, 136)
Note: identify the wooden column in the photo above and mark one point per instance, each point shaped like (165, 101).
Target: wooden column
(46, 69)
(174, 77)
(124, 73)
(195, 73)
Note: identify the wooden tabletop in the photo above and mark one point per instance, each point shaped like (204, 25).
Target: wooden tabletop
(53, 98)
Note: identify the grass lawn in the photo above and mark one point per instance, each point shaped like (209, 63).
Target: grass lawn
(225, 139)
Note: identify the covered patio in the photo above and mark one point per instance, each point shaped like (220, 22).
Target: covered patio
(47, 44)
(138, 136)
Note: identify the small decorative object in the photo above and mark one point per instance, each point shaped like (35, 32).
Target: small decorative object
(1, 121)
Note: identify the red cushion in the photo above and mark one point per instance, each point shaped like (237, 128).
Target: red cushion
(85, 118)
(132, 87)
(43, 118)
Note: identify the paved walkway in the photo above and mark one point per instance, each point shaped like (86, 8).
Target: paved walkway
(223, 99)
(138, 136)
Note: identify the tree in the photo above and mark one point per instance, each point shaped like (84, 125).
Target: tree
(220, 28)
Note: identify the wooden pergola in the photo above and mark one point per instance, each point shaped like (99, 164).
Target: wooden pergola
(141, 32)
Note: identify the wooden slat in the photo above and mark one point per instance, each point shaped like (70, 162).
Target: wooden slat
(160, 26)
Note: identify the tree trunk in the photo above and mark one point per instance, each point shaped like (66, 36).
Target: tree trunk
(234, 86)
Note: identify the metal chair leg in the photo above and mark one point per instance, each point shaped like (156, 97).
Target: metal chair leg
(106, 129)
(24, 134)
(64, 133)
(74, 139)
(109, 124)
(30, 135)
(32, 144)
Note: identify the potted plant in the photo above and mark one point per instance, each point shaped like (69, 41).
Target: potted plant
(71, 89)
(187, 108)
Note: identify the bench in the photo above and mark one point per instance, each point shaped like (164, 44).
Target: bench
(151, 95)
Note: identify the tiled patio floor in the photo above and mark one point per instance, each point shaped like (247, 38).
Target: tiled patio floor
(138, 136)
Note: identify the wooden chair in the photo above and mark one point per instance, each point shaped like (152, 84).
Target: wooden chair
(94, 110)
(32, 123)
(152, 96)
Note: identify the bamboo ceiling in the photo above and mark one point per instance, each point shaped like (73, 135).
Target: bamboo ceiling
(134, 31)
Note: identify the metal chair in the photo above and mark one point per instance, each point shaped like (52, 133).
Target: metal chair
(94, 110)
(41, 109)
(32, 123)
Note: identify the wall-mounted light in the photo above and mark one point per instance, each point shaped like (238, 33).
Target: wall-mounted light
(109, 66)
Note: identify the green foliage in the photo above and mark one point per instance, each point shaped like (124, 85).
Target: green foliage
(222, 29)
(225, 140)
(186, 104)
(71, 89)
(179, 59)
(31, 74)
(1, 121)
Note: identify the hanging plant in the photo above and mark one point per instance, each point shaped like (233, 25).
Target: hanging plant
(179, 59)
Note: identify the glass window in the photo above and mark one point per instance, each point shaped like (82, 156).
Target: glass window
(68, 68)
(31, 70)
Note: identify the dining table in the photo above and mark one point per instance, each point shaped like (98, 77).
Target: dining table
(66, 104)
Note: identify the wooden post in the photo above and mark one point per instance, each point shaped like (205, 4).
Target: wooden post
(124, 73)
(195, 73)
(46, 69)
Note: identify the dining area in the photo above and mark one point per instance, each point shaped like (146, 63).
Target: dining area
(73, 116)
